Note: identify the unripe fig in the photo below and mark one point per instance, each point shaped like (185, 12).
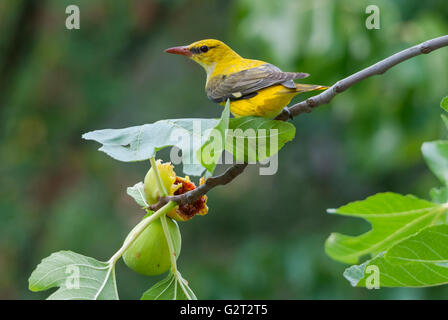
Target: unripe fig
(174, 185)
(149, 253)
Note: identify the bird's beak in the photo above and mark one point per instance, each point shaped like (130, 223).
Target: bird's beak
(180, 50)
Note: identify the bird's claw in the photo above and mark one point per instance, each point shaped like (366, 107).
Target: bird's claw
(286, 110)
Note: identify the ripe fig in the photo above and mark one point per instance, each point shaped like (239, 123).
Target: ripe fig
(168, 177)
(149, 253)
(174, 185)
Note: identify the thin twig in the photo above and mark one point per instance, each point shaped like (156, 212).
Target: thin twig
(378, 68)
(191, 196)
(306, 107)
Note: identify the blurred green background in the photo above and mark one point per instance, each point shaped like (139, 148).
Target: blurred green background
(264, 235)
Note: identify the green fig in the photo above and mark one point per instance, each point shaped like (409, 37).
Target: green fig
(149, 253)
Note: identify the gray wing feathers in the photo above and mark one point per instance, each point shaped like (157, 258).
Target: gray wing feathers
(246, 83)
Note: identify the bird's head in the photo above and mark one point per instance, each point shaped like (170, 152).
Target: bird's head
(207, 53)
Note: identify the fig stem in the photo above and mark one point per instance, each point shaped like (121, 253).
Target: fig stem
(160, 184)
(139, 229)
(169, 240)
(173, 257)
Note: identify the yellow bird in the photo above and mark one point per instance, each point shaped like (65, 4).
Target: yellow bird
(254, 87)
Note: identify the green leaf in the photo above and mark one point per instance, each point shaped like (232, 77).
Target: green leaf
(252, 139)
(138, 193)
(392, 216)
(436, 156)
(142, 142)
(439, 195)
(78, 277)
(429, 245)
(212, 149)
(171, 288)
(444, 103)
(418, 261)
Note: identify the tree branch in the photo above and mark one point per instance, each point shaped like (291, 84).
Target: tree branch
(306, 107)
(209, 184)
(378, 68)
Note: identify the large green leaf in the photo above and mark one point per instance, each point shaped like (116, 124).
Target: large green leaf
(254, 139)
(436, 156)
(211, 151)
(78, 277)
(392, 216)
(142, 142)
(429, 245)
(418, 261)
(171, 288)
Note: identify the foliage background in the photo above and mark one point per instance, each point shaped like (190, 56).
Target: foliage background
(264, 235)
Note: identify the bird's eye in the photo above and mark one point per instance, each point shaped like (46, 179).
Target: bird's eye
(203, 49)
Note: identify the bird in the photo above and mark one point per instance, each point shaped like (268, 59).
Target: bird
(253, 87)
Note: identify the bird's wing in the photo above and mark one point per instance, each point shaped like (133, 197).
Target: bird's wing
(245, 84)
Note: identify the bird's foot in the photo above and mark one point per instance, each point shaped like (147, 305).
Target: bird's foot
(288, 113)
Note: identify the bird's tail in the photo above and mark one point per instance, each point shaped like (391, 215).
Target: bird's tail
(301, 87)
